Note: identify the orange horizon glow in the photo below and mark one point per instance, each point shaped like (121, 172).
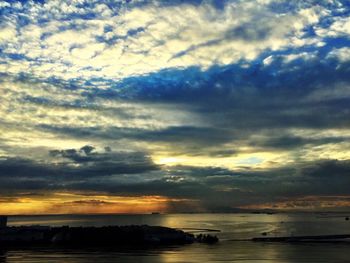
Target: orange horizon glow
(305, 203)
(80, 203)
(67, 203)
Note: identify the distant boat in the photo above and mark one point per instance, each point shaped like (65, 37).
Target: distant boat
(155, 213)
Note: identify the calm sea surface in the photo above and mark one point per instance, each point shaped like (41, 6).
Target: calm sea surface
(235, 229)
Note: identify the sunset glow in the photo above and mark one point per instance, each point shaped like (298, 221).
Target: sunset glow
(68, 203)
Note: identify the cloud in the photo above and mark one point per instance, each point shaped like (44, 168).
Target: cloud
(237, 102)
(77, 164)
(61, 38)
(309, 203)
(289, 142)
(342, 54)
(132, 174)
(339, 27)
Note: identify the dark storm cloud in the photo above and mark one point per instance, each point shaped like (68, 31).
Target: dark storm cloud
(237, 130)
(77, 164)
(328, 170)
(314, 178)
(21, 167)
(231, 188)
(290, 142)
(188, 135)
(190, 139)
(216, 187)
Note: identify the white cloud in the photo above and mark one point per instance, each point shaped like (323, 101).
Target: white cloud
(342, 54)
(150, 38)
(340, 27)
(7, 34)
(4, 4)
(305, 56)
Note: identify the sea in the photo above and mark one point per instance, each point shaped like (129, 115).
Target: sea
(233, 230)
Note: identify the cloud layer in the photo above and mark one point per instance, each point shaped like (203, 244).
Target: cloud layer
(206, 105)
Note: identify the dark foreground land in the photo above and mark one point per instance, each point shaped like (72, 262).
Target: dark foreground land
(99, 236)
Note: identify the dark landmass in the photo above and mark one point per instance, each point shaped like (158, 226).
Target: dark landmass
(99, 236)
(294, 239)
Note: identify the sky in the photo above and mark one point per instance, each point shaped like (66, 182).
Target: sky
(136, 106)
